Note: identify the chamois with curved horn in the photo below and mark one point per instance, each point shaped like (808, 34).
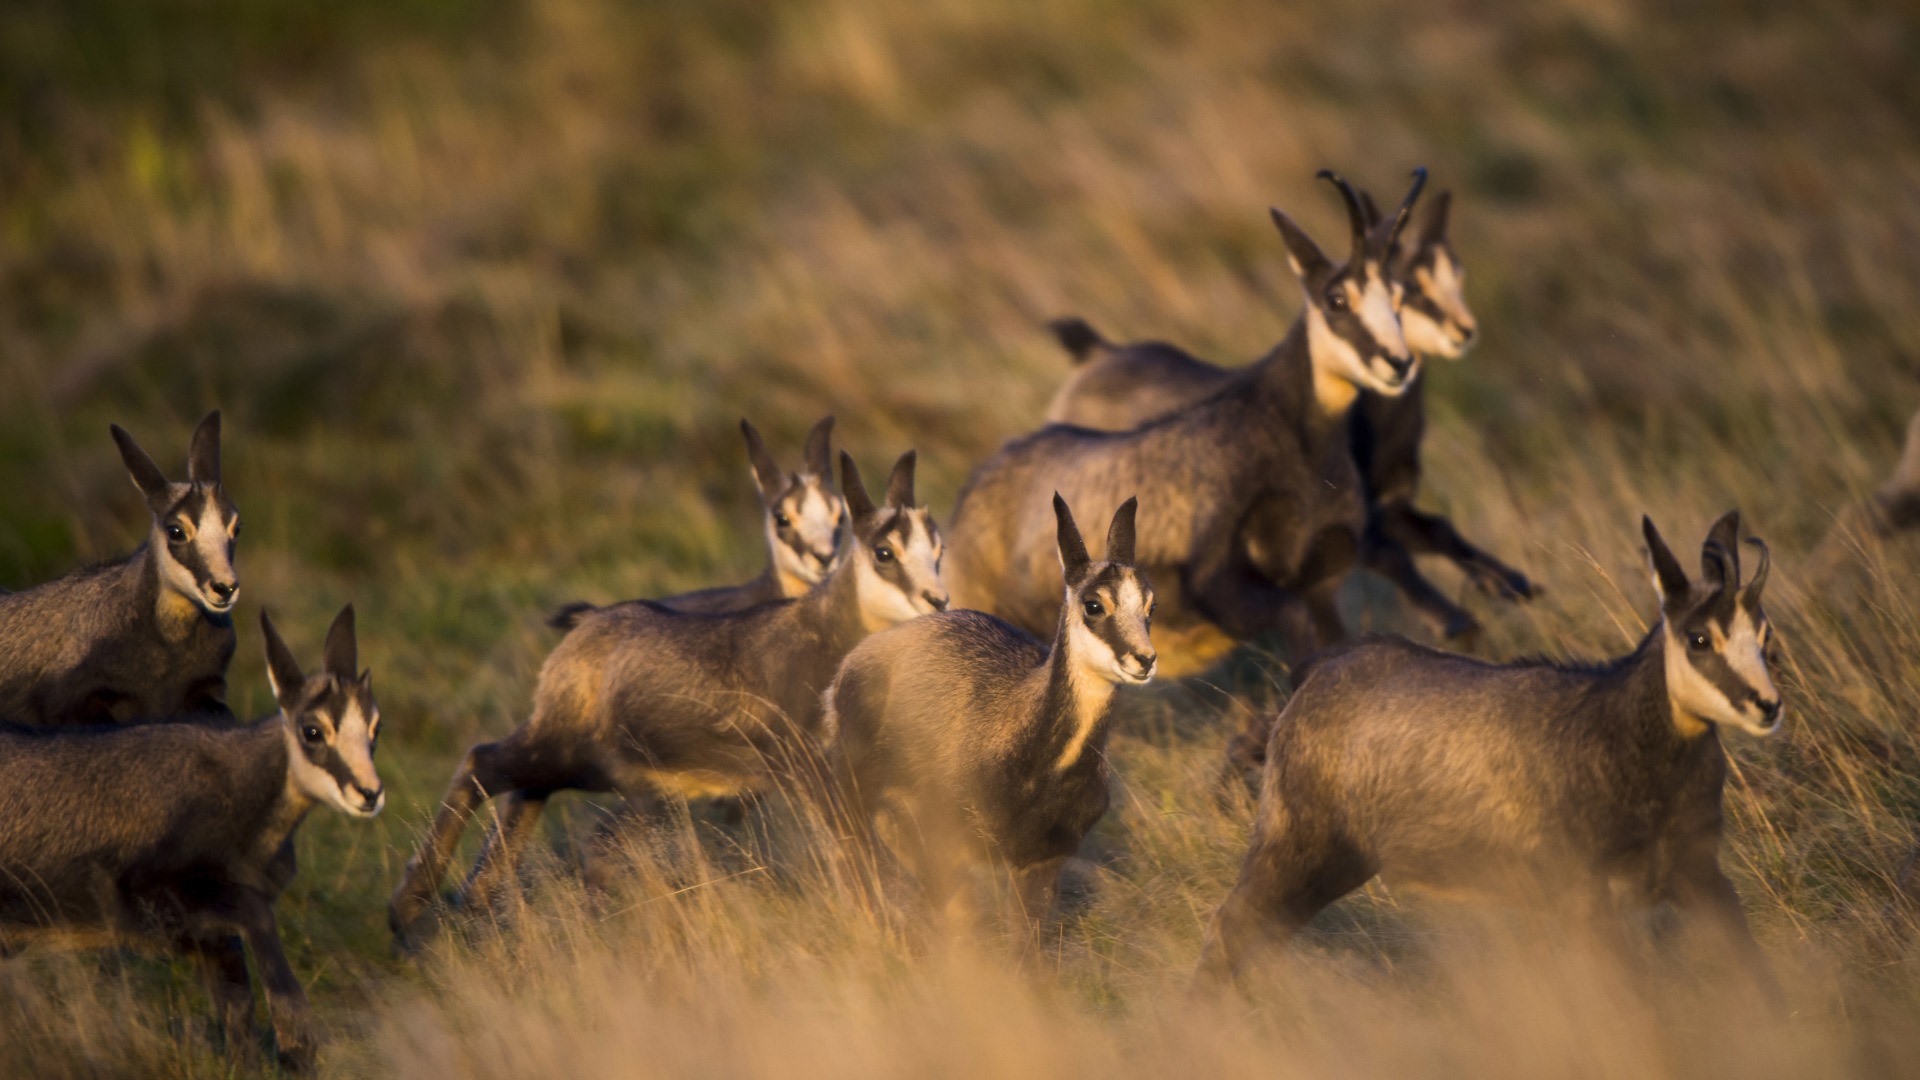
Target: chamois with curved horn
(1253, 510)
(1580, 785)
(149, 635)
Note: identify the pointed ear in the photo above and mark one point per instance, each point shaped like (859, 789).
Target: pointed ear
(203, 460)
(1668, 578)
(900, 484)
(1433, 229)
(1073, 550)
(146, 475)
(343, 658)
(1120, 533)
(767, 474)
(820, 449)
(1725, 537)
(1750, 595)
(859, 503)
(1305, 256)
(283, 671)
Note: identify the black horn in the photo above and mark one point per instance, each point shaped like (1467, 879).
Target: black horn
(1389, 231)
(1356, 213)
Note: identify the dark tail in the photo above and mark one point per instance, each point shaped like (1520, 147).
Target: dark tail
(1077, 337)
(569, 616)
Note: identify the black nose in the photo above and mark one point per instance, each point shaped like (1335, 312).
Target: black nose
(1145, 660)
(369, 796)
(224, 589)
(1770, 711)
(823, 560)
(1466, 334)
(1400, 365)
(938, 600)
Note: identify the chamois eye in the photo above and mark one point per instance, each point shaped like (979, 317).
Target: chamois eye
(1336, 298)
(883, 553)
(176, 534)
(1699, 642)
(1093, 609)
(312, 733)
(781, 519)
(236, 531)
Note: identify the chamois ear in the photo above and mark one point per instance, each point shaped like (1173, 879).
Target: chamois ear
(1668, 578)
(283, 671)
(1750, 593)
(1120, 533)
(343, 659)
(146, 475)
(767, 474)
(859, 503)
(820, 449)
(1725, 538)
(900, 484)
(1433, 228)
(203, 459)
(1309, 264)
(1073, 550)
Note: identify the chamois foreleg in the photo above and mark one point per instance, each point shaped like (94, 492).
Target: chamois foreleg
(492, 876)
(222, 961)
(286, 998)
(1422, 533)
(1702, 893)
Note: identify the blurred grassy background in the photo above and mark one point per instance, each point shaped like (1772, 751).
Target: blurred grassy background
(483, 285)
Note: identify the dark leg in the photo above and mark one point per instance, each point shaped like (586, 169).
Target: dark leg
(605, 851)
(1702, 893)
(1246, 752)
(222, 960)
(1430, 534)
(1036, 889)
(286, 998)
(1288, 878)
(492, 876)
(1388, 558)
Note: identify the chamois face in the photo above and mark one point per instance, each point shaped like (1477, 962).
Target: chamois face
(195, 525)
(1717, 639)
(897, 548)
(1353, 322)
(332, 722)
(803, 513)
(1109, 604)
(1433, 306)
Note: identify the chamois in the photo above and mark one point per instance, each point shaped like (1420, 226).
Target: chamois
(803, 519)
(1896, 506)
(641, 699)
(1584, 784)
(172, 833)
(1254, 509)
(985, 748)
(147, 636)
(1122, 386)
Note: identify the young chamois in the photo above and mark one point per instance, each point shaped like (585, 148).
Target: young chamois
(172, 834)
(644, 700)
(985, 748)
(1122, 386)
(803, 519)
(1254, 509)
(1589, 785)
(149, 635)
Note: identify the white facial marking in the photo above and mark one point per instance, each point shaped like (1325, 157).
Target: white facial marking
(352, 743)
(1443, 285)
(814, 516)
(1696, 696)
(1335, 359)
(1096, 668)
(1377, 313)
(917, 550)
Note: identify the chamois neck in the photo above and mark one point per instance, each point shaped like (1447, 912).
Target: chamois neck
(1654, 714)
(1077, 702)
(271, 760)
(834, 606)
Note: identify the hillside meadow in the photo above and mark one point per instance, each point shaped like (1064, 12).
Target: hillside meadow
(483, 288)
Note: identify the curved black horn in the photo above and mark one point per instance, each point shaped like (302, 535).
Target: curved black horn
(1751, 594)
(1392, 229)
(1356, 214)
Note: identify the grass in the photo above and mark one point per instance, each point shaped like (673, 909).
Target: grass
(483, 288)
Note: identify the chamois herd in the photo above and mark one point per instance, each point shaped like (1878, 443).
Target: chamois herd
(950, 694)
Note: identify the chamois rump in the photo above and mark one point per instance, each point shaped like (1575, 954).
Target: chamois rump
(1123, 386)
(150, 635)
(983, 748)
(1587, 786)
(644, 700)
(1252, 507)
(174, 833)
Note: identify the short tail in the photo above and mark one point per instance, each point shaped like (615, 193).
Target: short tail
(569, 616)
(1077, 337)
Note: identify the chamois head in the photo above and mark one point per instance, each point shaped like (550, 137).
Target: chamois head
(332, 722)
(803, 512)
(1109, 605)
(896, 547)
(1353, 329)
(195, 525)
(1429, 284)
(1716, 633)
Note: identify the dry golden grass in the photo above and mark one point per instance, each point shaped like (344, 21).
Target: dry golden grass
(483, 290)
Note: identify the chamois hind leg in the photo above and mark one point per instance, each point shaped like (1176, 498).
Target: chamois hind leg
(1390, 559)
(489, 769)
(1431, 534)
(1290, 874)
(492, 877)
(604, 856)
(222, 960)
